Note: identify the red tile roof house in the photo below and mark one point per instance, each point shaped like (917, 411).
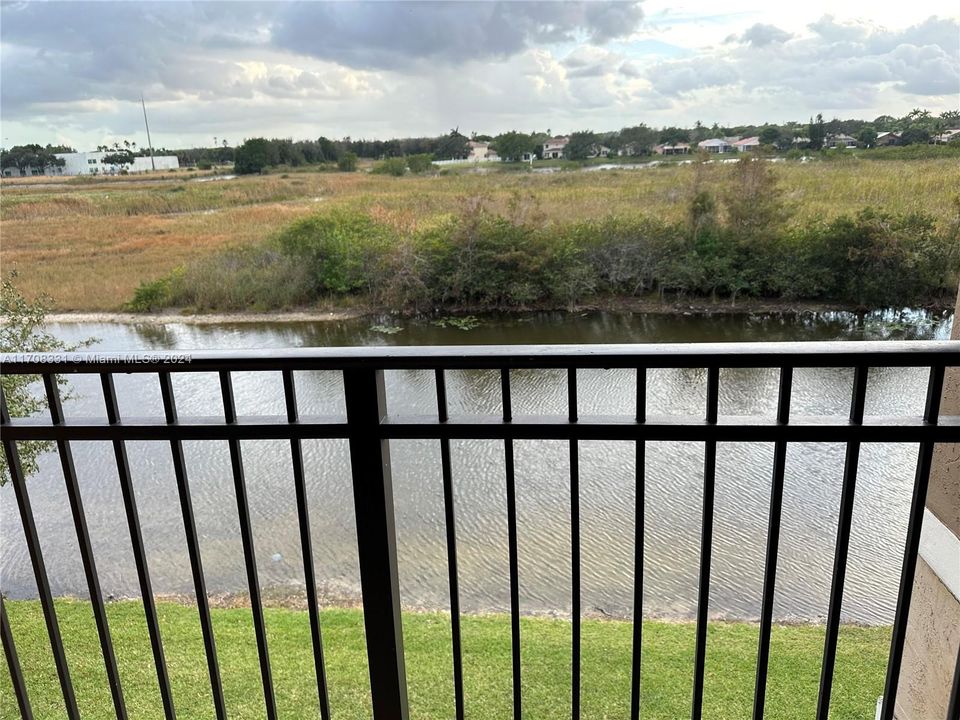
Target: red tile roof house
(554, 147)
(750, 143)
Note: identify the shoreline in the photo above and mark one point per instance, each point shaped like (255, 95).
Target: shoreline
(613, 305)
(282, 599)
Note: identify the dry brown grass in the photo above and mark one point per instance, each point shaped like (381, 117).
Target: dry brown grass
(89, 245)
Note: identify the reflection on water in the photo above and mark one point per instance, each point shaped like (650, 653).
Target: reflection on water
(674, 476)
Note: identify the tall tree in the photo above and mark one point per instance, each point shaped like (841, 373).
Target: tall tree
(867, 137)
(31, 157)
(770, 135)
(639, 139)
(453, 146)
(581, 145)
(252, 157)
(674, 135)
(817, 132)
(512, 145)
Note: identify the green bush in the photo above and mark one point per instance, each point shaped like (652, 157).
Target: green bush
(420, 163)
(396, 166)
(151, 296)
(347, 162)
(340, 250)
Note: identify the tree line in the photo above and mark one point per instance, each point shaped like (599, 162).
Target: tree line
(254, 155)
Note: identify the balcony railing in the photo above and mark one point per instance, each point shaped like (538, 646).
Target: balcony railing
(369, 428)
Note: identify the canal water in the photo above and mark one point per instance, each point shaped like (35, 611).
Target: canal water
(674, 475)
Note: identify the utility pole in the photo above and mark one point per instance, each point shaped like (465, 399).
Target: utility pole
(153, 165)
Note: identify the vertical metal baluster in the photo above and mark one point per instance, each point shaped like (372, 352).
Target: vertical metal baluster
(931, 416)
(512, 546)
(574, 546)
(451, 527)
(773, 544)
(366, 401)
(193, 548)
(39, 568)
(249, 552)
(139, 553)
(86, 549)
(706, 543)
(13, 662)
(306, 545)
(851, 464)
(638, 532)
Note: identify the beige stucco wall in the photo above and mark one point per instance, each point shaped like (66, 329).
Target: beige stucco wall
(933, 636)
(933, 630)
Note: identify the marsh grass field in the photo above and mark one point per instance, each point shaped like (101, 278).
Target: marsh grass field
(88, 245)
(666, 675)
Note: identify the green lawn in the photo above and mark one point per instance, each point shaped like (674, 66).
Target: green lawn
(666, 677)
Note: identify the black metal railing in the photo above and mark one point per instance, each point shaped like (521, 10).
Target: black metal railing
(369, 428)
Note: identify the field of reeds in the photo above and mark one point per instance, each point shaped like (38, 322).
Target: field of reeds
(89, 245)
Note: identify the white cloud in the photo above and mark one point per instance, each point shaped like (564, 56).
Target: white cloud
(74, 71)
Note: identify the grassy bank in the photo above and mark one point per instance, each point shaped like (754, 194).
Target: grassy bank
(90, 245)
(666, 675)
(737, 240)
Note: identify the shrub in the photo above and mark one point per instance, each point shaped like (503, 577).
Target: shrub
(340, 250)
(347, 162)
(151, 296)
(396, 166)
(420, 163)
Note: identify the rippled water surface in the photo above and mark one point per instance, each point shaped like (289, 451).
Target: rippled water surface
(674, 476)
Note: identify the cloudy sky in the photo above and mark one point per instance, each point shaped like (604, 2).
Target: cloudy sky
(73, 72)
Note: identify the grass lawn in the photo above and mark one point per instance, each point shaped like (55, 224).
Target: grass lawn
(666, 676)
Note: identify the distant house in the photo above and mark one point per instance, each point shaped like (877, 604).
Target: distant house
(598, 150)
(887, 138)
(945, 137)
(481, 152)
(716, 145)
(840, 140)
(798, 141)
(554, 147)
(677, 149)
(750, 143)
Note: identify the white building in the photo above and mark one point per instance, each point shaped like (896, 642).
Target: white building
(91, 163)
(747, 144)
(554, 147)
(716, 145)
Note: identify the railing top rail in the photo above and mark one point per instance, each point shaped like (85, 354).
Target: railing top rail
(672, 355)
